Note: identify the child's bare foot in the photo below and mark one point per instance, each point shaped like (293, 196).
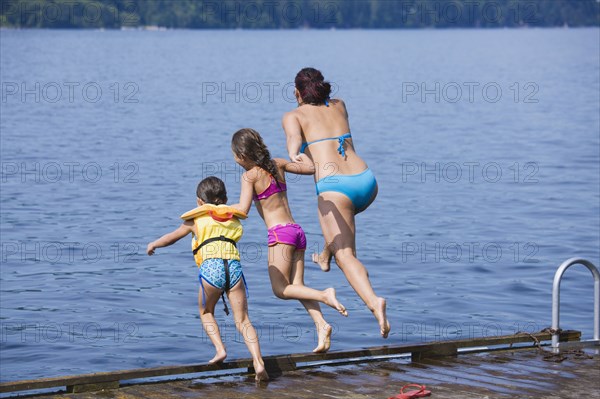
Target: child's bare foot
(331, 300)
(380, 315)
(261, 373)
(219, 357)
(324, 336)
(324, 262)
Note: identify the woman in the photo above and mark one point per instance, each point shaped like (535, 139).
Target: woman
(345, 185)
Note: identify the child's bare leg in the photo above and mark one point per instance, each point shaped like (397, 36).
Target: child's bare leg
(323, 259)
(322, 327)
(239, 305)
(312, 307)
(286, 271)
(207, 315)
(282, 259)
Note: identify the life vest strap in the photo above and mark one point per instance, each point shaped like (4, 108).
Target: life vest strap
(227, 285)
(213, 239)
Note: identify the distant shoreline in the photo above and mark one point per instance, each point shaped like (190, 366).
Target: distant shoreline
(298, 15)
(165, 29)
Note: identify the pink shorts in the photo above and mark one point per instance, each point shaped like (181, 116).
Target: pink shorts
(290, 233)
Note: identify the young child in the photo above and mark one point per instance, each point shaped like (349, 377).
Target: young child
(216, 229)
(287, 242)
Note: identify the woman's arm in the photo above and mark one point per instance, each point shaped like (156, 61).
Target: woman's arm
(246, 193)
(304, 166)
(293, 134)
(172, 237)
(343, 104)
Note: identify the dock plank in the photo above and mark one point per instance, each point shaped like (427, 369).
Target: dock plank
(277, 364)
(462, 377)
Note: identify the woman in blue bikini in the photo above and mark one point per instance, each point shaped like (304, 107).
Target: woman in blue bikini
(345, 185)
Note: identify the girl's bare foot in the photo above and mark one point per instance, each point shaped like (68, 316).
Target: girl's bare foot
(261, 373)
(331, 300)
(324, 262)
(324, 336)
(219, 357)
(380, 315)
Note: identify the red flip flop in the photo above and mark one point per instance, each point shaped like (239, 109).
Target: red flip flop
(419, 392)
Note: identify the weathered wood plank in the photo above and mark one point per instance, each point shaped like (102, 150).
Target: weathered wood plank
(281, 362)
(93, 387)
(435, 351)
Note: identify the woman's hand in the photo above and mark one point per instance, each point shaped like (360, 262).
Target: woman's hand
(303, 165)
(296, 157)
(303, 158)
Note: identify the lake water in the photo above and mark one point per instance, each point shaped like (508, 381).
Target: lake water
(485, 144)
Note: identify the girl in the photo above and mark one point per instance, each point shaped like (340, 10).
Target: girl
(320, 127)
(287, 242)
(216, 229)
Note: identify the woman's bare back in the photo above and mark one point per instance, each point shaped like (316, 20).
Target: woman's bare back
(323, 122)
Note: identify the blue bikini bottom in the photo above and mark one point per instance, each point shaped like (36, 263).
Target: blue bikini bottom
(360, 188)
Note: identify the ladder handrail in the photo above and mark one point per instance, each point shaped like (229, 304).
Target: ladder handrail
(556, 297)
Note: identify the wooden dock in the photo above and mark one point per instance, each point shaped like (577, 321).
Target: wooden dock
(475, 368)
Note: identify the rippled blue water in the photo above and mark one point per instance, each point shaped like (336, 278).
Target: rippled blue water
(106, 134)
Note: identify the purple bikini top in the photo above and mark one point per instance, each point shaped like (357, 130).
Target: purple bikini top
(274, 188)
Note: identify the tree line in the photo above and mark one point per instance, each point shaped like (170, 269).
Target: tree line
(294, 14)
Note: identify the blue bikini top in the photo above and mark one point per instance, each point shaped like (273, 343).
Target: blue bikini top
(340, 139)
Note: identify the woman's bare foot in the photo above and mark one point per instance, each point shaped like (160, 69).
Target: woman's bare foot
(261, 373)
(324, 336)
(331, 300)
(323, 261)
(219, 357)
(380, 315)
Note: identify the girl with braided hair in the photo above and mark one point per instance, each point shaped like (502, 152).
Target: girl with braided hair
(264, 181)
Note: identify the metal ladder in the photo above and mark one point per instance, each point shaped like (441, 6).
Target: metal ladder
(556, 297)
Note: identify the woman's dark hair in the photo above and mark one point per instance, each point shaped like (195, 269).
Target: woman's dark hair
(312, 86)
(248, 145)
(212, 191)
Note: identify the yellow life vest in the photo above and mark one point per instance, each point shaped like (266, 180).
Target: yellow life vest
(217, 229)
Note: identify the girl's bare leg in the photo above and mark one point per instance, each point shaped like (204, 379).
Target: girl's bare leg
(323, 328)
(336, 215)
(207, 315)
(283, 259)
(239, 305)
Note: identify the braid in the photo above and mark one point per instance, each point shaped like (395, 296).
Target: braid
(248, 144)
(265, 162)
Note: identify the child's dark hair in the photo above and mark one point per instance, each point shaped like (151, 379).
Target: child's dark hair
(212, 191)
(312, 86)
(248, 145)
